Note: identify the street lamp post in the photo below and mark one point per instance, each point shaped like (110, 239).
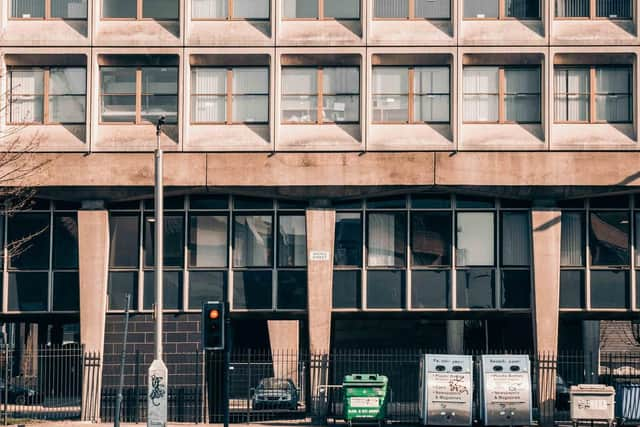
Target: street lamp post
(157, 392)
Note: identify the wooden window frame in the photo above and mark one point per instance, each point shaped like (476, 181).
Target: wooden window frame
(411, 94)
(502, 13)
(321, 16)
(320, 97)
(230, 16)
(138, 96)
(46, 73)
(229, 94)
(139, 13)
(412, 14)
(502, 93)
(593, 92)
(593, 12)
(47, 15)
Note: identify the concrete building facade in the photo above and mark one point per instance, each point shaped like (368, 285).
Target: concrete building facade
(440, 174)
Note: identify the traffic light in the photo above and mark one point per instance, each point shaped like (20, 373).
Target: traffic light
(212, 324)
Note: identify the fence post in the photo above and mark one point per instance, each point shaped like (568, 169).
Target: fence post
(5, 396)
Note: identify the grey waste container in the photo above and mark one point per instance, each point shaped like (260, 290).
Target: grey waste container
(592, 403)
(628, 403)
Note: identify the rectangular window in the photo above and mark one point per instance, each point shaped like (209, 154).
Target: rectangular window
(292, 290)
(66, 291)
(430, 239)
(138, 95)
(320, 95)
(572, 293)
(28, 237)
(256, 10)
(475, 239)
(49, 9)
(171, 293)
(501, 9)
(348, 239)
(231, 95)
(173, 244)
(28, 291)
(386, 239)
(422, 9)
(252, 290)
(347, 289)
(430, 288)
(47, 95)
(411, 94)
(386, 289)
(207, 245)
(206, 286)
(292, 241)
(516, 242)
(125, 244)
(164, 10)
(121, 284)
(609, 289)
(593, 9)
(572, 240)
(475, 288)
(609, 238)
(593, 94)
(321, 9)
(65, 241)
(252, 241)
(502, 94)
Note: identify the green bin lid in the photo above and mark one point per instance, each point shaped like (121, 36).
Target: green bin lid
(365, 380)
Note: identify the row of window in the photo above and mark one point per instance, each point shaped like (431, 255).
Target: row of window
(316, 95)
(319, 9)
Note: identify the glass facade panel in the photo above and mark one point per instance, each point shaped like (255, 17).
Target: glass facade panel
(125, 243)
(207, 246)
(391, 8)
(523, 9)
(118, 90)
(572, 88)
(516, 289)
(27, 9)
(252, 290)
(347, 289)
(475, 288)
(481, 9)
(609, 238)
(386, 239)
(522, 95)
(516, 239)
(342, 9)
(572, 242)
(430, 288)
(480, 103)
(614, 9)
(173, 240)
(28, 291)
(165, 10)
(65, 241)
(572, 8)
(69, 9)
(433, 9)
(475, 238)
(206, 286)
(171, 293)
(348, 239)
(300, 9)
(292, 290)
(614, 94)
(386, 289)
(431, 238)
(572, 294)
(252, 241)
(292, 241)
(28, 241)
(609, 289)
(251, 9)
(119, 9)
(66, 291)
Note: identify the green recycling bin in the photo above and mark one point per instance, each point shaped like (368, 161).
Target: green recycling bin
(365, 398)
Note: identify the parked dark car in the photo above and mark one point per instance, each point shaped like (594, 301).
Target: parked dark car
(18, 394)
(274, 393)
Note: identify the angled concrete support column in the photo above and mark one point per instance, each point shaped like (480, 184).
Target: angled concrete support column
(93, 245)
(320, 235)
(284, 341)
(546, 229)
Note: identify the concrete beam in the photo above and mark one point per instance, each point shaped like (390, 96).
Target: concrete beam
(93, 245)
(546, 229)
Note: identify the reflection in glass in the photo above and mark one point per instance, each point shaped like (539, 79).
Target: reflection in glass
(292, 290)
(346, 289)
(66, 291)
(172, 290)
(207, 244)
(348, 239)
(122, 283)
(429, 288)
(609, 289)
(252, 290)
(431, 238)
(206, 286)
(28, 240)
(125, 232)
(28, 291)
(572, 242)
(386, 239)
(572, 288)
(252, 241)
(475, 288)
(609, 238)
(385, 289)
(516, 241)
(475, 238)
(292, 241)
(516, 289)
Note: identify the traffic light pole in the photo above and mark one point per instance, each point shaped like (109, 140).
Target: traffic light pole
(227, 363)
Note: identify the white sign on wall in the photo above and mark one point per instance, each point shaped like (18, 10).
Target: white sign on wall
(319, 256)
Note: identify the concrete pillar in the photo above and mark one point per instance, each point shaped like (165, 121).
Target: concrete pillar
(93, 249)
(285, 342)
(321, 224)
(455, 336)
(546, 230)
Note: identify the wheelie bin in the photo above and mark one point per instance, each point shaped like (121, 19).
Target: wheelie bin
(365, 398)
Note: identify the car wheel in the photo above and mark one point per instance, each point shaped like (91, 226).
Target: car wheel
(21, 399)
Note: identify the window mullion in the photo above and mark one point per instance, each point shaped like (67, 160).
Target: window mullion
(321, 9)
(501, 95)
(229, 95)
(412, 9)
(592, 9)
(320, 100)
(138, 119)
(592, 94)
(45, 95)
(139, 9)
(230, 10)
(410, 96)
(47, 9)
(501, 9)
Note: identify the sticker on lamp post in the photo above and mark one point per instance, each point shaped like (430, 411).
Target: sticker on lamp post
(157, 395)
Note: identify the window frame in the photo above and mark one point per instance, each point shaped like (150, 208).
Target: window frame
(46, 84)
(230, 16)
(593, 12)
(320, 96)
(47, 14)
(411, 94)
(138, 96)
(502, 92)
(502, 16)
(321, 16)
(412, 14)
(229, 94)
(593, 92)
(139, 13)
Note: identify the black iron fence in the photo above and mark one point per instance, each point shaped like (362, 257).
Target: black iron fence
(49, 383)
